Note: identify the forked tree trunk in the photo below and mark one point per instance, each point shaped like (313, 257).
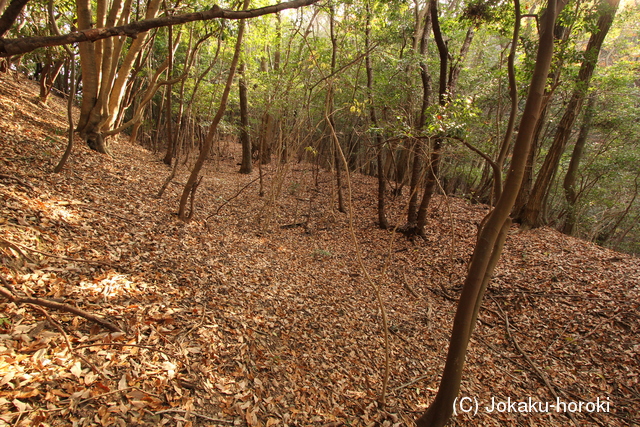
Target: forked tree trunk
(49, 74)
(443, 98)
(417, 147)
(491, 237)
(104, 84)
(192, 182)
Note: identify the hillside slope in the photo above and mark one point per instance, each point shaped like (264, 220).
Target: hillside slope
(246, 318)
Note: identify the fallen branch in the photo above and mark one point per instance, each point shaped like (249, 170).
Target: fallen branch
(408, 287)
(412, 382)
(234, 196)
(18, 180)
(535, 368)
(58, 306)
(118, 344)
(14, 245)
(68, 343)
(195, 414)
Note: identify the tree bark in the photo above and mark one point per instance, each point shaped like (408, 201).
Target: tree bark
(492, 235)
(10, 15)
(246, 166)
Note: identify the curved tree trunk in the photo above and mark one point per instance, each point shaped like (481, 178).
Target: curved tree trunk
(491, 237)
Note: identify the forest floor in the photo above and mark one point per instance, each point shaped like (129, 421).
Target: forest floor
(243, 317)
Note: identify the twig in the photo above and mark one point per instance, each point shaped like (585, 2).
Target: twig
(204, 417)
(52, 255)
(408, 287)
(83, 205)
(68, 343)
(413, 381)
(58, 306)
(15, 247)
(106, 394)
(18, 180)
(204, 312)
(535, 368)
(118, 344)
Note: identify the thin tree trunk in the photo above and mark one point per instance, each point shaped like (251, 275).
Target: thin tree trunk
(569, 184)
(192, 181)
(491, 237)
(332, 124)
(443, 98)
(170, 139)
(70, 98)
(382, 182)
(513, 95)
(246, 166)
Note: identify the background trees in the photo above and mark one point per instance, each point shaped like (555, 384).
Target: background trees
(360, 78)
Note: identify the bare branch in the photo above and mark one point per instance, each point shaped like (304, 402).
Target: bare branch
(9, 47)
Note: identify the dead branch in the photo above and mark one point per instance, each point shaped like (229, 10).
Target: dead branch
(68, 343)
(13, 245)
(18, 180)
(535, 368)
(58, 306)
(204, 417)
(119, 344)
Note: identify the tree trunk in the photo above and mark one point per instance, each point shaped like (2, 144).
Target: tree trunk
(168, 157)
(416, 169)
(513, 95)
(246, 166)
(332, 125)
(491, 237)
(379, 149)
(570, 178)
(443, 99)
(192, 181)
(532, 215)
